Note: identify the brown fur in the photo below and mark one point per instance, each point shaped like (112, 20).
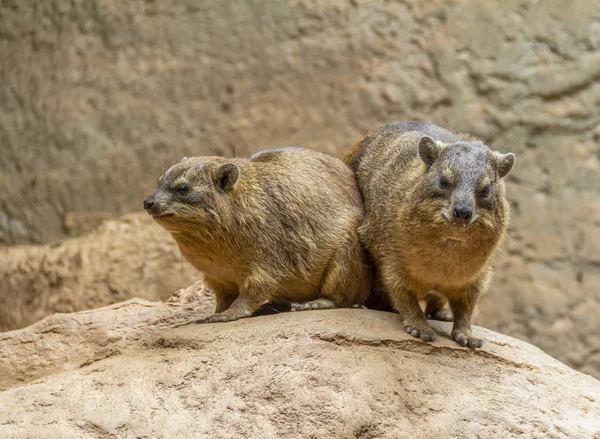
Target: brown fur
(280, 226)
(419, 247)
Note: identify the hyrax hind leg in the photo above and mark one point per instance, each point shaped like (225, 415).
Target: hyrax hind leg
(435, 310)
(347, 278)
(314, 304)
(225, 292)
(253, 294)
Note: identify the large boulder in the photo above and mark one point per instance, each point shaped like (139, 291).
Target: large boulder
(347, 373)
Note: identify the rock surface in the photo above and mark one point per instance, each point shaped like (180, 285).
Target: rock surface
(67, 341)
(336, 374)
(98, 97)
(131, 257)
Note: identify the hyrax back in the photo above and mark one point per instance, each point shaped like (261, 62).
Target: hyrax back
(435, 214)
(278, 226)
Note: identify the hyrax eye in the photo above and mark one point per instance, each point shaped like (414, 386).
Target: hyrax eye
(444, 183)
(182, 189)
(485, 192)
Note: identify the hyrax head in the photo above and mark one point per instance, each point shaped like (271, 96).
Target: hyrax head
(462, 184)
(189, 193)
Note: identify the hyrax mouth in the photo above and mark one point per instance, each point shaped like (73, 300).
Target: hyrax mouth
(458, 223)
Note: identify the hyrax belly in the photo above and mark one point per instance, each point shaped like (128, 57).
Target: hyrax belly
(447, 267)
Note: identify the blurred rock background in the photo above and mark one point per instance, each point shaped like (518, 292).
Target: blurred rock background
(98, 97)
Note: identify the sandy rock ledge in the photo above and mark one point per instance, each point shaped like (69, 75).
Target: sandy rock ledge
(67, 341)
(345, 373)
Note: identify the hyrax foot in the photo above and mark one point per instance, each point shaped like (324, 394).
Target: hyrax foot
(420, 330)
(314, 304)
(216, 318)
(466, 338)
(245, 305)
(444, 315)
(227, 316)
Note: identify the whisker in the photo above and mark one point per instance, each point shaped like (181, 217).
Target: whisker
(158, 160)
(510, 138)
(173, 155)
(458, 115)
(501, 253)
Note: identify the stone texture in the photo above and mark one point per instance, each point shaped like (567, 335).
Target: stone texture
(131, 257)
(70, 341)
(336, 374)
(98, 97)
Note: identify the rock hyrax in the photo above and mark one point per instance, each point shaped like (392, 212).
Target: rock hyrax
(280, 226)
(435, 213)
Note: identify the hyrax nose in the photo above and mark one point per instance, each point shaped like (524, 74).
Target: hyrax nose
(463, 212)
(149, 203)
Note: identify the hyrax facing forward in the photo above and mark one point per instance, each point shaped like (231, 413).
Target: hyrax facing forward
(280, 226)
(435, 213)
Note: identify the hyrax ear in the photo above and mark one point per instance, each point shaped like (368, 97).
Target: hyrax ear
(429, 151)
(227, 175)
(505, 163)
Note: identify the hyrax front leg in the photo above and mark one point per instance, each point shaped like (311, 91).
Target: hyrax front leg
(462, 309)
(252, 295)
(405, 301)
(407, 305)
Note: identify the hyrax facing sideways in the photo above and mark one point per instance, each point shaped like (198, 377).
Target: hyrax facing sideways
(280, 226)
(435, 213)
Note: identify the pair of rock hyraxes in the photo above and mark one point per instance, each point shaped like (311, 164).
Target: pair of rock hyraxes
(289, 225)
